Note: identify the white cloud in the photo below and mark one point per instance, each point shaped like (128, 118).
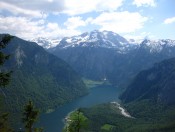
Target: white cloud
(139, 3)
(139, 36)
(19, 11)
(19, 26)
(169, 20)
(41, 5)
(34, 8)
(75, 7)
(28, 29)
(89, 20)
(52, 30)
(74, 22)
(71, 7)
(120, 22)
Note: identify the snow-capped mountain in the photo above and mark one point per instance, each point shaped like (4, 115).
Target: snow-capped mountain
(157, 45)
(46, 43)
(104, 39)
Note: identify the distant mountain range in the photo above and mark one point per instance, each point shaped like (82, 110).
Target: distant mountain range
(39, 76)
(104, 39)
(98, 55)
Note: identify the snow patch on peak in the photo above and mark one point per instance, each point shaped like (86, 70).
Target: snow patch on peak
(69, 40)
(46, 42)
(105, 39)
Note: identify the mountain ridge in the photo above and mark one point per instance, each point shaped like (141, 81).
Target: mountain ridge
(105, 37)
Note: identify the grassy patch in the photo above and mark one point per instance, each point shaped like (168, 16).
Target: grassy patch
(92, 83)
(107, 127)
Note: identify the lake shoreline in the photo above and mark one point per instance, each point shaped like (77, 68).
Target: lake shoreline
(54, 121)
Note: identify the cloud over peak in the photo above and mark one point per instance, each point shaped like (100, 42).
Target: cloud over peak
(120, 22)
(74, 22)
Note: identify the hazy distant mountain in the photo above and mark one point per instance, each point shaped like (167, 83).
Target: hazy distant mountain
(39, 76)
(98, 55)
(45, 42)
(156, 83)
(157, 46)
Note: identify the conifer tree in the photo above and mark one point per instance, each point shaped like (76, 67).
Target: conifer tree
(4, 126)
(4, 81)
(30, 116)
(4, 75)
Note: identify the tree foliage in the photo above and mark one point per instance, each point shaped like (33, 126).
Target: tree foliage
(4, 80)
(77, 122)
(30, 116)
(4, 75)
(4, 126)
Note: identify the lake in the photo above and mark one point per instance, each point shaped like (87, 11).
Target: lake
(53, 122)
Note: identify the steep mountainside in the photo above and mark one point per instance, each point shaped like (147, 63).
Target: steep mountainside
(98, 55)
(39, 76)
(157, 83)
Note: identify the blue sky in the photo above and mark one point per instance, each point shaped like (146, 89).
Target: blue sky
(135, 19)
